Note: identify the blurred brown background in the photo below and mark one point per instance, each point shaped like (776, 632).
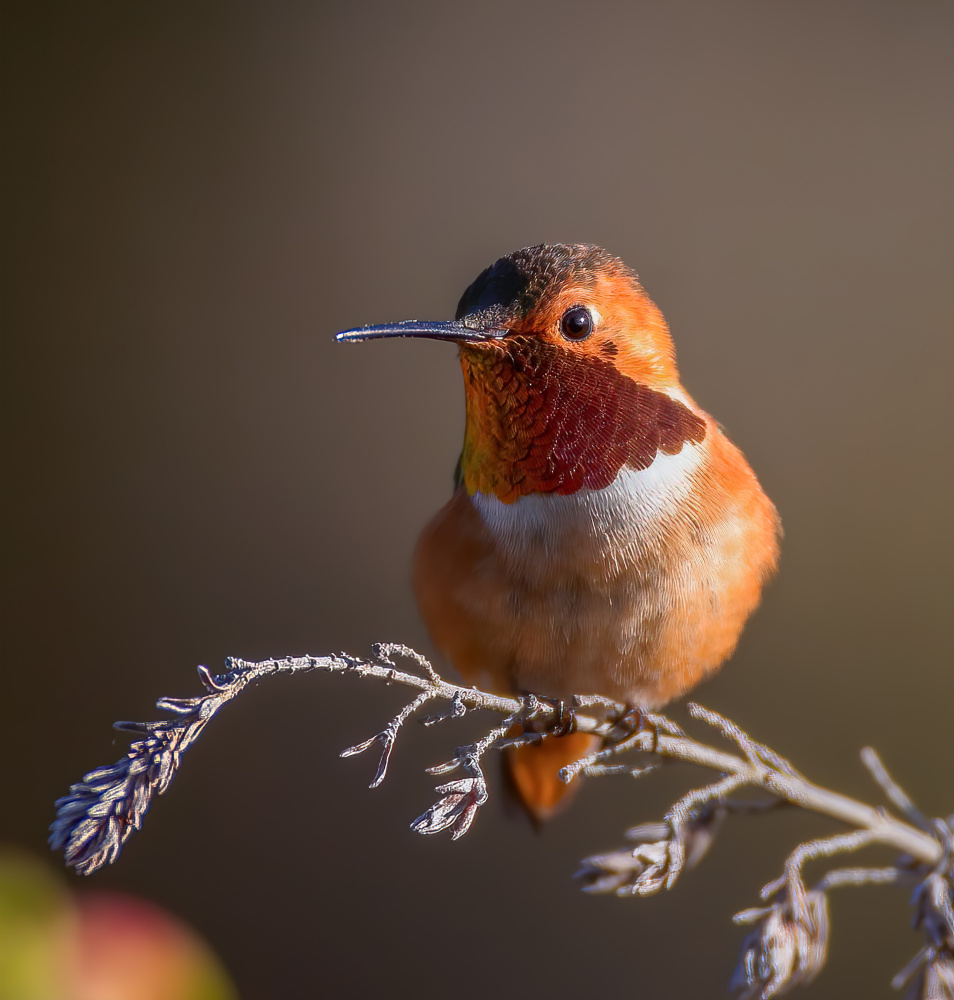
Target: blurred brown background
(197, 196)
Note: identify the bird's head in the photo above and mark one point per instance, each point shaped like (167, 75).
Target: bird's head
(569, 373)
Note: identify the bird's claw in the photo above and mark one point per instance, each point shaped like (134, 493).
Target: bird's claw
(548, 716)
(635, 721)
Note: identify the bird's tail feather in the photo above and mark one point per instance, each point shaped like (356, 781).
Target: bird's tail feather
(534, 771)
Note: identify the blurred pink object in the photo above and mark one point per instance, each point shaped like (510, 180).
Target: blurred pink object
(130, 949)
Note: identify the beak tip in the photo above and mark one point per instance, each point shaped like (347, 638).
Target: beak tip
(354, 336)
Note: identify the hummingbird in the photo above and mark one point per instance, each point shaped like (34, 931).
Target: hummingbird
(604, 535)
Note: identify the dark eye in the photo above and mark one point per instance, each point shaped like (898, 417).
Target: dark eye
(577, 323)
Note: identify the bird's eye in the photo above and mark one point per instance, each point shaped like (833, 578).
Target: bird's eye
(577, 323)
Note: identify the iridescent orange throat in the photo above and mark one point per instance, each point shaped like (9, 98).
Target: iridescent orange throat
(543, 419)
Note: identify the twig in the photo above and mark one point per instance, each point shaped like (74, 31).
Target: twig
(788, 942)
(387, 737)
(895, 793)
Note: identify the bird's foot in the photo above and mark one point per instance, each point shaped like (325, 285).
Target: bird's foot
(548, 716)
(635, 724)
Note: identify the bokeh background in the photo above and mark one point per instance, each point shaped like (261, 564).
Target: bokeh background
(197, 196)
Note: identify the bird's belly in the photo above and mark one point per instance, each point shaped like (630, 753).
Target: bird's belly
(613, 591)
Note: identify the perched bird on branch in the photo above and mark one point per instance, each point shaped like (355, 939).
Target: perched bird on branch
(604, 536)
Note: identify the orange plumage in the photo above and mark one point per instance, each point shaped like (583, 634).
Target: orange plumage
(605, 535)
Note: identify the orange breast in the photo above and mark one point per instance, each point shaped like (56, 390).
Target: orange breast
(636, 591)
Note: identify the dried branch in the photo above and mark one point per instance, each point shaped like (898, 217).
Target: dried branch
(788, 942)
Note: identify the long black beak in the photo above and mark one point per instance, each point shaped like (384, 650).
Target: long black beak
(436, 330)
